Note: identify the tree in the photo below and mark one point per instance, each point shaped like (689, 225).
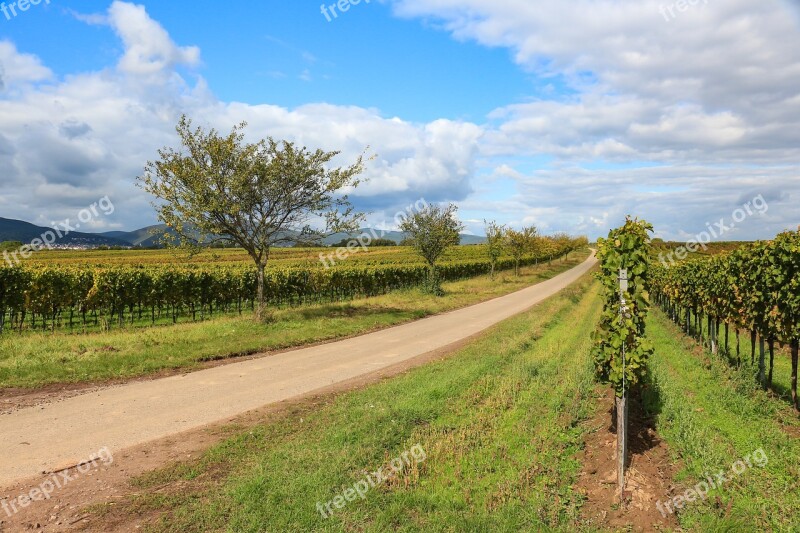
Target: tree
(520, 243)
(375, 243)
(382, 243)
(431, 231)
(257, 196)
(495, 243)
(10, 246)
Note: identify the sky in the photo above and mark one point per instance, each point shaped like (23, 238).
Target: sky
(563, 115)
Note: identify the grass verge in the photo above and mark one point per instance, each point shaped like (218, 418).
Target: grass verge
(38, 359)
(713, 415)
(498, 422)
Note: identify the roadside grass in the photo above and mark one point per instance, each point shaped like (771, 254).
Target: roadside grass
(38, 359)
(498, 420)
(712, 415)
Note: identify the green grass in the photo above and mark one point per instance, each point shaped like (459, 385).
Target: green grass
(499, 422)
(36, 359)
(712, 415)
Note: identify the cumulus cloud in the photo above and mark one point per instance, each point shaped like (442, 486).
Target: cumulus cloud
(714, 86)
(677, 119)
(17, 68)
(148, 47)
(74, 140)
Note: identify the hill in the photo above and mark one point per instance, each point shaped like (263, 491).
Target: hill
(25, 232)
(148, 237)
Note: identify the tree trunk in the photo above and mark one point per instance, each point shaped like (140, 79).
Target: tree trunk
(622, 442)
(260, 307)
(727, 337)
(771, 361)
(762, 367)
(795, 400)
(752, 347)
(712, 334)
(738, 349)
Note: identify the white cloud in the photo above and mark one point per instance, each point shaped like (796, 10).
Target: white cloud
(675, 121)
(17, 68)
(716, 87)
(70, 141)
(148, 47)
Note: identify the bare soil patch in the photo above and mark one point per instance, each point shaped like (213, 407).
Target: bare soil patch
(649, 478)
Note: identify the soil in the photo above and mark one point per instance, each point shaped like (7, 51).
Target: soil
(649, 477)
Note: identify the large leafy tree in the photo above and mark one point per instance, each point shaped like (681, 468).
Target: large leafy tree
(431, 231)
(221, 189)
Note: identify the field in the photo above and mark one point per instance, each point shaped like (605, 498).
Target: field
(503, 424)
(43, 358)
(445, 266)
(101, 290)
(510, 432)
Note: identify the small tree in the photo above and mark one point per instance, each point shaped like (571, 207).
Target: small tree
(257, 196)
(431, 231)
(520, 243)
(495, 243)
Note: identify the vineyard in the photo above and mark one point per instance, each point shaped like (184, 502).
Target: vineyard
(754, 289)
(101, 289)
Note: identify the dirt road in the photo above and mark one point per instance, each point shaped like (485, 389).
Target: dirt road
(50, 437)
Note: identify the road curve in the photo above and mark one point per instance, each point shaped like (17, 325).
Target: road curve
(44, 439)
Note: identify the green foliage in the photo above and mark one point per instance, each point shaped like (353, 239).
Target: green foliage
(495, 242)
(41, 295)
(10, 246)
(756, 287)
(376, 243)
(625, 248)
(520, 243)
(432, 230)
(382, 243)
(221, 189)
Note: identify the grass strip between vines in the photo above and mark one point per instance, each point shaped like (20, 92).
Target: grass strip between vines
(711, 415)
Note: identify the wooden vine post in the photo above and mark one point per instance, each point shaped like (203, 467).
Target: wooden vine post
(620, 350)
(622, 401)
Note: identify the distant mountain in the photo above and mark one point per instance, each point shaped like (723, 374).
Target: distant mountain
(17, 230)
(145, 237)
(25, 232)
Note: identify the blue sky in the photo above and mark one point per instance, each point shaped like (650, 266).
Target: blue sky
(565, 115)
(288, 54)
